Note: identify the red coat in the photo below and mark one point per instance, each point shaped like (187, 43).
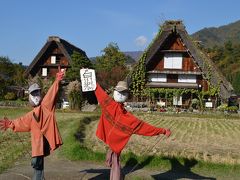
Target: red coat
(41, 121)
(116, 125)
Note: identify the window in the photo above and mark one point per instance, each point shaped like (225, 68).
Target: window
(177, 100)
(53, 59)
(157, 77)
(173, 61)
(44, 71)
(209, 104)
(187, 78)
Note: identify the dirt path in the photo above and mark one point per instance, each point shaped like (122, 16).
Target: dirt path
(59, 169)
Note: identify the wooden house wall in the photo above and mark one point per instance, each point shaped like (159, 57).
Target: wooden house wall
(45, 61)
(172, 78)
(63, 61)
(174, 44)
(188, 63)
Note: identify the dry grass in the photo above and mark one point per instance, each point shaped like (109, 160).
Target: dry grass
(210, 138)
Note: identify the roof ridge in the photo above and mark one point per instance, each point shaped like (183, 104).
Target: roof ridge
(173, 24)
(53, 38)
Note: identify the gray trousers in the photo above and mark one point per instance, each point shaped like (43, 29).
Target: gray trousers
(38, 166)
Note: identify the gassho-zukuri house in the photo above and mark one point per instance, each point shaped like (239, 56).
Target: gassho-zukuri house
(56, 52)
(173, 71)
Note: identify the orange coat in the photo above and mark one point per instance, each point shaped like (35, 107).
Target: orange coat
(116, 125)
(41, 121)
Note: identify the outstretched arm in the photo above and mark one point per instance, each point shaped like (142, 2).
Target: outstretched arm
(146, 129)
(101, 94)
(49, 99)
(22, 124)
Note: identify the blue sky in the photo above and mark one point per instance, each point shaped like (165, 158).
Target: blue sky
(91, 25)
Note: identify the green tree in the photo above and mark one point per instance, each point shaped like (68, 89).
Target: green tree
(6, 68)
(18, 77)
(79, 60)
(10, 74)
(111, 66)
(236, 82)
(6, 73)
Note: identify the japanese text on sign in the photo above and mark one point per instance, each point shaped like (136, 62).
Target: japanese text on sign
(88, 80)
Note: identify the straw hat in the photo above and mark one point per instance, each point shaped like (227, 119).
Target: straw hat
(121, 86)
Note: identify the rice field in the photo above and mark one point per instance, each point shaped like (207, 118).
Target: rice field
(211, 138)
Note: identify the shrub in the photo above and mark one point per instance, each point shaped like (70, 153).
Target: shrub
(232, 108)
(195, 103)
(222, 107)
(75, 95)
(10, 96)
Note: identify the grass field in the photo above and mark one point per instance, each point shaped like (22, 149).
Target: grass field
(12, 145)
(209, 142)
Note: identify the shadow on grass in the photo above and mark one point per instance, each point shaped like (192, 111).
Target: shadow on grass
(130, 166)
(133, 165)
(179, 171)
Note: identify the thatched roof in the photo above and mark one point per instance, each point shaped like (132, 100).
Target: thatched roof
(201, 59)
(65, 47)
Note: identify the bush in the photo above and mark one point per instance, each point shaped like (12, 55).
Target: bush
(222, 107)
(75, 95)
(233, 108)
(195, 103)
(10, 96)
(225, 107)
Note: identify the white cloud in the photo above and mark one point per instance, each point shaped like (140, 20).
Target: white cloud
(141, 40)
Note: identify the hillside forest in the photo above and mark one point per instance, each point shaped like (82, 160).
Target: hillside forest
(227, 59)
(222, 44)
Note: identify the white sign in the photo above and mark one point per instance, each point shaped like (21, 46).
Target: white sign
(209, 104)
(88, 79)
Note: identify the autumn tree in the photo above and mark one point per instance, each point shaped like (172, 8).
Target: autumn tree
(110, 67)
(227, 58)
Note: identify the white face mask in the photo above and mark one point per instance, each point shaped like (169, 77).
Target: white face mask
(120, 97)
(34, 100)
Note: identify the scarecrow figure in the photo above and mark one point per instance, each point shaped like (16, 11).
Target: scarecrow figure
(116, 125)
(41, 122)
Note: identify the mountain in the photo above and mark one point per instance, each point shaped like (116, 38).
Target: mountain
(134, 54)
(212, 36)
